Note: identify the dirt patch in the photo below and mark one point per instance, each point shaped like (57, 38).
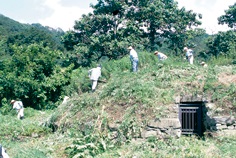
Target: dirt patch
(227, 79)
(116, 113)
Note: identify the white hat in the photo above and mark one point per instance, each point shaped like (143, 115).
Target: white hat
(156, 52)
(202, 63)
(12, 101)
(185, 48)
(130, 47)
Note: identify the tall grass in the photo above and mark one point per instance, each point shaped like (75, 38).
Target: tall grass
(175, 148)
(223, 60)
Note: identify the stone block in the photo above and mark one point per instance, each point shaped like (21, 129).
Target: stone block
(174, 132)
(230, 121)
(165, 123)
(225, 120)
(113, 126)
(231, 128)
(146, 134)
(177, 99)
(192, 98)
(210, 106)
(224, 127)
(220, 120)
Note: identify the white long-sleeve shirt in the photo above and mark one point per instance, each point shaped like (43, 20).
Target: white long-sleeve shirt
(133, 53)
(189, 53)
(161, 56)
(95, 73)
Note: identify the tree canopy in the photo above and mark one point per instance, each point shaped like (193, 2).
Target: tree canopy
(33, 75)
(229, 18)
(222, 43)
(114, 25)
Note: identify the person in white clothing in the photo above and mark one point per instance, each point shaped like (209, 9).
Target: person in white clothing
(3, 153)
(133, 59)
(160, 55)
(18, 105)
(94, 75)
(189, 54)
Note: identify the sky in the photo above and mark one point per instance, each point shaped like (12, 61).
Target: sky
(63, 13)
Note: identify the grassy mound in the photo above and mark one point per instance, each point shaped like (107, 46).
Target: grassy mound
(106, 123)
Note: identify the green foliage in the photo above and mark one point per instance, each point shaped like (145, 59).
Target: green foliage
(36, 34)
(183, 147)
(30, 152)
(130, 127)
(83, 126)
(88, 146)
(15, 33)
(114, 25)
(33, 75)
(196, 39)
(221, 60)
(229, 18)
(6, 107)
(227, 146)
(18, 128)
(222, 93)
(121, 87)
(222, 43)
(80, 127)
(79, 82)
(8, 25)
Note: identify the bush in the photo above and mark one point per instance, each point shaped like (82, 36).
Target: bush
(33, 76)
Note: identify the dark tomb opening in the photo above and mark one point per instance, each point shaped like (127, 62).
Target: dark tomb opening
(191, 118)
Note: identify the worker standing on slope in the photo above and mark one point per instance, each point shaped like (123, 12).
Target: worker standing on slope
(133, 59)
(189, 54)
(94, 75)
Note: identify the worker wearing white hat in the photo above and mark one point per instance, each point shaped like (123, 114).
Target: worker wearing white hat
(160, 56)
(133, 59)
(189, 54)
(18, 105)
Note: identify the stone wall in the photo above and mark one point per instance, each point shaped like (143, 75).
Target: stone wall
(163, 128)
(213, 121)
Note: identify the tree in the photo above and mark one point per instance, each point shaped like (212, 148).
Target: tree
(229, 18)
(33, 75)
(163, 19)
(222, 43)
(114, 25)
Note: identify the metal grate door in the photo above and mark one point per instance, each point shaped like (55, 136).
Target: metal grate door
(190, 116)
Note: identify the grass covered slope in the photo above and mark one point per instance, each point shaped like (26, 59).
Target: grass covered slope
(105, 123)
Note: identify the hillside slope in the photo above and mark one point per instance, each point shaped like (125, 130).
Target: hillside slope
(8, 25)
(85, 125)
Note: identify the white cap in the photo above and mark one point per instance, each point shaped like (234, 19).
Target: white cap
(130, 47)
